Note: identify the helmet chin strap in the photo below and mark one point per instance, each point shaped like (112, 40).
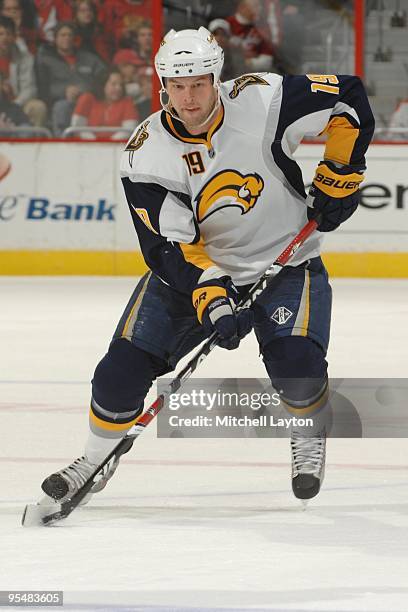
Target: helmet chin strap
(169, 108)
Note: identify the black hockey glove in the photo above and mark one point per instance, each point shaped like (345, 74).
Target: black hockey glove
(334, 194)
(215, 302)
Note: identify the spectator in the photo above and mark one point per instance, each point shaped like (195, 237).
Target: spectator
(273, 16)
(108, 107)
(144, 100)
(24, 20)
(137, 78)
(144, 42)
(16, 64)
(121, 19)
(18, 68)
(399, 119)
(129, 64)
(293, 17)
(50, 12)
(256, 48)
(89, 33)
(233, 59)
(179, 14)
(64, 73)
(11, 114)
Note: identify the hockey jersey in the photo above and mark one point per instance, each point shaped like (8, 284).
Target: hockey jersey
(227, 202)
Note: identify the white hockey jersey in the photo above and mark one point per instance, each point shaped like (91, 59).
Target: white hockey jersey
(228, 202)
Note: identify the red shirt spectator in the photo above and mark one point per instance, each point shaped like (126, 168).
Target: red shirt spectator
(129, 65)
(50, 12)
(104, 113)
(122, 18)
(256, 47)
(112, 109)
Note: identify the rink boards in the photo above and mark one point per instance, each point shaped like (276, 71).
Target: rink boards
(62, 211)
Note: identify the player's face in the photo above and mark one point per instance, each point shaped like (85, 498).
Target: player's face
(193, 98)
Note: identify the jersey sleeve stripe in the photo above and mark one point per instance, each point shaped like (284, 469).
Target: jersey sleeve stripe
(342, 137)
(196, 255)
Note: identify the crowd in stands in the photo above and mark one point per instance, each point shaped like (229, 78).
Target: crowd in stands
(76, 66)
(75, 63)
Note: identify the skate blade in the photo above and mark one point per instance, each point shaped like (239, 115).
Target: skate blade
(41, 514)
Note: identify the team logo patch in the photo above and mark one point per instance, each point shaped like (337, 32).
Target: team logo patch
(144, 216)
(229, 188)
(244, 81)
(281, 315)
(138, 140)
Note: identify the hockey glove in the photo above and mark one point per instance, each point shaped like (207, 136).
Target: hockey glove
(334, 194)
(215, 302)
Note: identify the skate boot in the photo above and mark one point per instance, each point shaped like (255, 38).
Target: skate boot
(62, 485)
(308, 461)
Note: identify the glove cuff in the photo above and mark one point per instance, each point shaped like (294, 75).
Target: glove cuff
(334, 182)
(204, 295)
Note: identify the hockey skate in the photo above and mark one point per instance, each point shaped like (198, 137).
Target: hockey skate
(71, 487)
(308, 462)
(65, 483)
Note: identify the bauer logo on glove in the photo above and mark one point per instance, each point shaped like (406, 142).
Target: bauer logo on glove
(335, 183)
(334, 195)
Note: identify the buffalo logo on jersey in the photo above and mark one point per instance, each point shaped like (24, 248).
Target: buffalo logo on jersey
(244, 81)
(228, 188)
(139, 138)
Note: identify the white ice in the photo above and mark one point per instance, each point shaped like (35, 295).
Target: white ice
(197, 524)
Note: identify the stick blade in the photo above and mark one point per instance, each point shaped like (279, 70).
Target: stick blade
(39, 515)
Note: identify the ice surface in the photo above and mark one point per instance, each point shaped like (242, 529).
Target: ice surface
(197, 524)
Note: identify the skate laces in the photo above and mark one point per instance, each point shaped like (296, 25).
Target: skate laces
(78, 472)
(308, 453)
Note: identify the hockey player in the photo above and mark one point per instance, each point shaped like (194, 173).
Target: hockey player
(215, 195)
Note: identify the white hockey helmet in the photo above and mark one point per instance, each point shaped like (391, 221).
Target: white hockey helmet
(189, 53)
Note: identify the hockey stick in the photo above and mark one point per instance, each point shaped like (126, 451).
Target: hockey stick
(41, 514)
